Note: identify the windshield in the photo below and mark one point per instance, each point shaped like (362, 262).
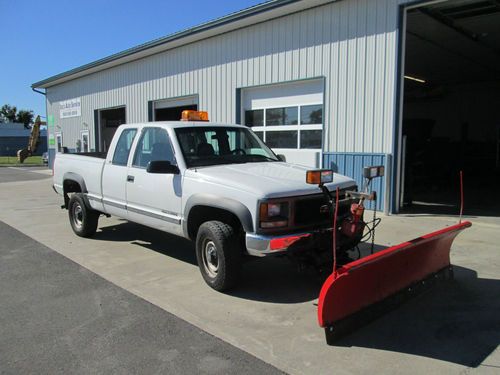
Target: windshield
(205, 145)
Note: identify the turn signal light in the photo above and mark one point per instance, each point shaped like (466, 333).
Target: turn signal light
(319, 176)
(282, 243)
(190, 115)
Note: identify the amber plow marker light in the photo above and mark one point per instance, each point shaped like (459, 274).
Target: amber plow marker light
(319, 176)
(190, 115)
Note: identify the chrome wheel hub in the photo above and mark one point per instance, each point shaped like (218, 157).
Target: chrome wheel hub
(78, 215)
(210, 258)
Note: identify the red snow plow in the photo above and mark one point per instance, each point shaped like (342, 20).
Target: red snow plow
(361, 290)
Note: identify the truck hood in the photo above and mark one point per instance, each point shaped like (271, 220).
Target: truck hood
(265, 180)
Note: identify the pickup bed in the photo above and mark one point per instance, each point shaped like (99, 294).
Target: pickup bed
(216, 184)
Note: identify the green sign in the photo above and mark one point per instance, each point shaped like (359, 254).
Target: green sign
(50, 129)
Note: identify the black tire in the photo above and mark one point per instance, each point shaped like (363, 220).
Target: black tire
(221, 241)
(82, 218)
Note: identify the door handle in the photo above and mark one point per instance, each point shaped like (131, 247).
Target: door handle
(130, 178)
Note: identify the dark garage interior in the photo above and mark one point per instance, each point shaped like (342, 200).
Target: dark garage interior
(109, 120)
(172, 113)
(451, 108)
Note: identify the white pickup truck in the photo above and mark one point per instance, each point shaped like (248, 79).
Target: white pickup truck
(216, 184)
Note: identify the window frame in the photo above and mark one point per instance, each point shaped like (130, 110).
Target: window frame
(131, 146)
(59, 146)
(136, 150)
(264, 129)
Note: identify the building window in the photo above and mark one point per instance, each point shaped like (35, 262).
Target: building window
(311, 114)
(282, 139)
(282, 116)
(260, 135)
(254, 118)
(299, 127)
(310, 138)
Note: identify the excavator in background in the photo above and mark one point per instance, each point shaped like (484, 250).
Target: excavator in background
(32, 143)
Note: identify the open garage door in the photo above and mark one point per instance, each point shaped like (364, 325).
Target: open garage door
(108, 121)
(171, 109)
(451, 107)
(288, 117)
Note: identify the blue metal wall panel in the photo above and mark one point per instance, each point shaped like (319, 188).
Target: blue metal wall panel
(351, 164)
(10, 145)
(52, 156)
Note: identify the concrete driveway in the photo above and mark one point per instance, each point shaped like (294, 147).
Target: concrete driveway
(451, 329)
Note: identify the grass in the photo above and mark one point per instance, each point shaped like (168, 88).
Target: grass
(12, 160)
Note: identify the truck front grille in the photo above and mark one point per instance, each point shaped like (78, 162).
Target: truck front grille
(311, 210)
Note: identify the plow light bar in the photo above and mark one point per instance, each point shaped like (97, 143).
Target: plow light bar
(319, 176)
(190, 115)
(372, 172)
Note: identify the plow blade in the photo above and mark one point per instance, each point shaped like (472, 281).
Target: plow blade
(358, 291)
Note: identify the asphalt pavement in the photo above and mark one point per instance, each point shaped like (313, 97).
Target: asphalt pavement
(132, 300)
(57, 317)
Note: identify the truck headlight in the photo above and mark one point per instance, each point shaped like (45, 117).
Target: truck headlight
(273, 215)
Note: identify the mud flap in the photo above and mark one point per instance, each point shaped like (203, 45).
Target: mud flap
(361, 290)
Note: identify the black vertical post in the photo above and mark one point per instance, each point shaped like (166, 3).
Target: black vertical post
(97, 130)
(238, 106)
(150, 110)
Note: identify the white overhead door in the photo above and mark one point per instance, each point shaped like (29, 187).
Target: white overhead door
(288, 117)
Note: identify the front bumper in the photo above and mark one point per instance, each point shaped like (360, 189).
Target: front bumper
(266, 245)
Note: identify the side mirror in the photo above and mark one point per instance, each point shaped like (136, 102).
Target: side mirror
(162, 166)
(281, 157)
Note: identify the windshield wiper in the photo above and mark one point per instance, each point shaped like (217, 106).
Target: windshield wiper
(266, 158)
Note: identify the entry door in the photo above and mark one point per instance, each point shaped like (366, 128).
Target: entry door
(154, 199)
(85, 140)
(114, 177)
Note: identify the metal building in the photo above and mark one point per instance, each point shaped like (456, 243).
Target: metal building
(15, 136)
(320, 81)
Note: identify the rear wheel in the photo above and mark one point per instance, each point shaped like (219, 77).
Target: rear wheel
(218, 254)
(82, 218)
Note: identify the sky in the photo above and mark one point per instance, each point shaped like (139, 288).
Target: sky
(44, 38)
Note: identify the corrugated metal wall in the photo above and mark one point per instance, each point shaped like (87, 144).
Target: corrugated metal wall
(352, 43)
(352, 164)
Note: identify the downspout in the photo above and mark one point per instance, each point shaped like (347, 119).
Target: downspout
(45, 94)
(38, 91)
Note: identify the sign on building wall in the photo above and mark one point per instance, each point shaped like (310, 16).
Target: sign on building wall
(70, 108)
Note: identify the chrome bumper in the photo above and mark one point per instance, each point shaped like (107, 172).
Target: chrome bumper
(261, 245)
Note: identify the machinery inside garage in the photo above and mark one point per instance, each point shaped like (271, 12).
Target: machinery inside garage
(451, 107)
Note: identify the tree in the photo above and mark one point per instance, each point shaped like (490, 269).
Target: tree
(8, 113)
(25, 117)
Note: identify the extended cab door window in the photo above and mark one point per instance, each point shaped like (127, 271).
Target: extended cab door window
(123, 146)
(153, 145)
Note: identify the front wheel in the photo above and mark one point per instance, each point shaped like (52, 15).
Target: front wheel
(82, 218)
(218, 254)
